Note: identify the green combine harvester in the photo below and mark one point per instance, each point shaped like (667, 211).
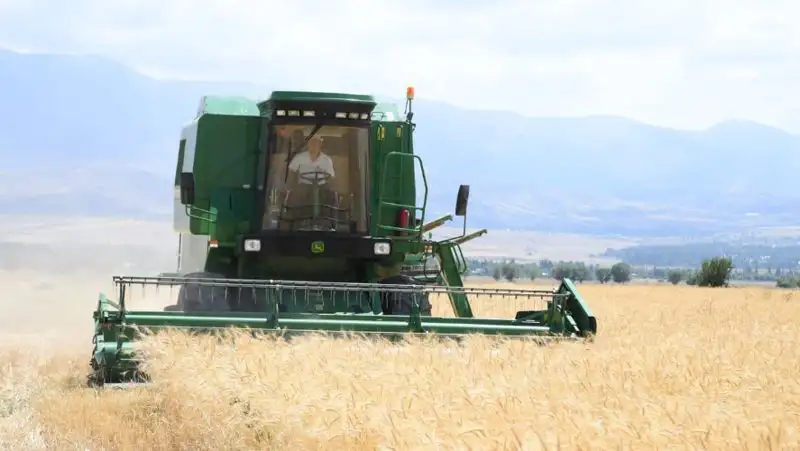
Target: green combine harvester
(300, 214)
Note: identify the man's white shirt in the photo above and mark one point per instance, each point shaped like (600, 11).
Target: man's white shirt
(302, 164)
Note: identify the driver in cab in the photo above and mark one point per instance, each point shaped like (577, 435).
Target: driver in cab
(308, 166)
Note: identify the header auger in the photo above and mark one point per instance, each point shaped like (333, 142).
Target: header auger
(299, 214)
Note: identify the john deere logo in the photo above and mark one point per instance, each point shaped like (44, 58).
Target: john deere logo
(317, 247)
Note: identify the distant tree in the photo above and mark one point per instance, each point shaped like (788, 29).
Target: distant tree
(533, 272)
(497, 274)
(603, 275)
(675, 277)
(575, 271)
(715, 272)
(509, 271)
(580, 272)
(621, 272)
(561, 271)
(692, 277)
(787, 282)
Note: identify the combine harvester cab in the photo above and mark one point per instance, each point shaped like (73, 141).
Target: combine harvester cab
(299, 214)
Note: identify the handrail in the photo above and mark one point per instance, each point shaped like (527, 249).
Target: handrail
(417, 231)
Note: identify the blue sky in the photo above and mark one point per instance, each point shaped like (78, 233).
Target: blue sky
(681, 63)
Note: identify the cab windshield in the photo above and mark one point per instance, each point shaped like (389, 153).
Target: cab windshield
(318, 183)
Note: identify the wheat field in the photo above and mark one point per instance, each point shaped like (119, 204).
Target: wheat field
(672, 367)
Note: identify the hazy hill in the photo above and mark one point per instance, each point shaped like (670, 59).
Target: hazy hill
(85, 135)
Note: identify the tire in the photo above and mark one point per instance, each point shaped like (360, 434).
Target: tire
(394, 303)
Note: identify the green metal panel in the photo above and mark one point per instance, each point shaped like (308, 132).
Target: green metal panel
(582, 314)
(446, 254)
(393, 178)
(234, 208)
(225, 163)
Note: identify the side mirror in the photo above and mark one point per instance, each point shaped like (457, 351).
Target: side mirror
(462, 200)
(187, 188)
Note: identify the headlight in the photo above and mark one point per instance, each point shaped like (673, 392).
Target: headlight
(252, 245)
(382, 248)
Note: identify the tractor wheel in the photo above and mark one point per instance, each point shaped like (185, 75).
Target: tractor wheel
(400, 303)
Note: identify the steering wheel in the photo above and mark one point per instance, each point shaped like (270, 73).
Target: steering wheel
(315, 177)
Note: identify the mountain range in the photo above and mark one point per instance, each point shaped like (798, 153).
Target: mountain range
(84, 135)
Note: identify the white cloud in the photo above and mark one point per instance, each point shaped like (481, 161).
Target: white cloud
(687, 63)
